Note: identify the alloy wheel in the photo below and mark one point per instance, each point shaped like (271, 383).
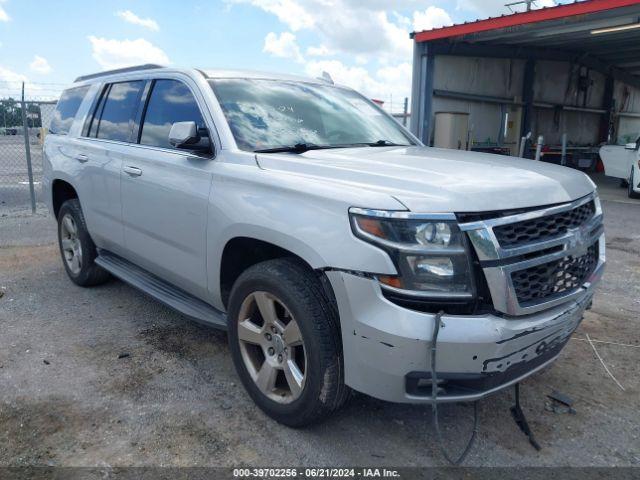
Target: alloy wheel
(70, 244)
(272, 347)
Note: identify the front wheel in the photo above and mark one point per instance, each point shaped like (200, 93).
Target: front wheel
(632, 184)
(285, 342)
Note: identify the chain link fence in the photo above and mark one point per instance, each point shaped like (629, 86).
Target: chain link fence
(23, 127)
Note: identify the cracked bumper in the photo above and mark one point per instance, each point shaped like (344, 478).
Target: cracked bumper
(387, 347)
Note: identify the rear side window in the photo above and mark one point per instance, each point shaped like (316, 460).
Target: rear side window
(116, 111)
(66, 110)
(170, 101)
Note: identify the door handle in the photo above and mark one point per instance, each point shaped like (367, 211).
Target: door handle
(133, 171)
(82, 158)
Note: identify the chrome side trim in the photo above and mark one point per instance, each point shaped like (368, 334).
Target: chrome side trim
(429, 294)
(402, 215)
(488, 248)
(521, 217)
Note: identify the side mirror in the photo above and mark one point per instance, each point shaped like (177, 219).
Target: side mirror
(183, 134)
(188, 136)
(631, 146)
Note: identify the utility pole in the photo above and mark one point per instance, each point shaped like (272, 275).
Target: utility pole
(405, 111)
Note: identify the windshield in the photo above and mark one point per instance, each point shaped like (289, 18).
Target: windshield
(269, 114)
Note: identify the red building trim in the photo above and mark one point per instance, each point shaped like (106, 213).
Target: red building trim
(524, 18)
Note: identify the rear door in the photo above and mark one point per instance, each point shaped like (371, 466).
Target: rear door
(106, 138)
(165, 190)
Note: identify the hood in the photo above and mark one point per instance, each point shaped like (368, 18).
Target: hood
(430, 180)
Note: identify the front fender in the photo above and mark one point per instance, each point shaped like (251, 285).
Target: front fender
(309, 219)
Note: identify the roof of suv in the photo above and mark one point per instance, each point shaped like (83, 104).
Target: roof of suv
(206, 73)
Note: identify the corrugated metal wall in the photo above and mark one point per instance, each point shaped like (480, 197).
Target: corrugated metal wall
(556, 83)
(478, 76)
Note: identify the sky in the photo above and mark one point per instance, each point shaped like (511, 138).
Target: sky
(361, 43)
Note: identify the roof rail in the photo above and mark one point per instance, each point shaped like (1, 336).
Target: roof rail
(148, 66)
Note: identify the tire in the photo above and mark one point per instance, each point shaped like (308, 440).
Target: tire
(632, 183)
(76, 247)
(299, 299)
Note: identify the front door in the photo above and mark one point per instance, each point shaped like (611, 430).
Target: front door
(165, 192)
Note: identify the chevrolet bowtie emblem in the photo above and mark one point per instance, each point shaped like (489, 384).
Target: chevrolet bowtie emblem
(578, 241)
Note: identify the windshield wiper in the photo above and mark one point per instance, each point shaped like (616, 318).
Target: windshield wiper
(387, 143)
(305, 147)
(297, 148)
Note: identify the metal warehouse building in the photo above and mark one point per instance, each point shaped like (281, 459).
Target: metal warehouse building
(570, 74)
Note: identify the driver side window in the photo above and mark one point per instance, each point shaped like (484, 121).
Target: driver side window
(170, 101)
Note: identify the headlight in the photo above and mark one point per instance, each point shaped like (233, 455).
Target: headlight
(429, 252)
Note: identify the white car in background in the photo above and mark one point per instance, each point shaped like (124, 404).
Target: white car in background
(623, 162)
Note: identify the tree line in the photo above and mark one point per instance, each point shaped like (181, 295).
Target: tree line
(11, 114)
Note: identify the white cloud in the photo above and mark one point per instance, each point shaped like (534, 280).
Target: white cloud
(396, 78)
(347, 26)
(432, 17)
(130, 17)
(355, 77)
(10, 76)
(284, 46)
(490, 8)
(389, 80)
(370, 32)
(12, 85)
(110, 53)
(290, 12)
(320, 51)
(40, 65)
(4, 16)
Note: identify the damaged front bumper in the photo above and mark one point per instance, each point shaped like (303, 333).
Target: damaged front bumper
(387, 347)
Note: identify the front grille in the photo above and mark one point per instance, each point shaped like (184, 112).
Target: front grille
(546, 281)
(543, 228)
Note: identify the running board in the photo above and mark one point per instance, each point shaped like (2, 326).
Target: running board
(162, 291)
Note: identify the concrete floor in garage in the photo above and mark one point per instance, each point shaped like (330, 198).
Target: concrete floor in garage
(67, 399)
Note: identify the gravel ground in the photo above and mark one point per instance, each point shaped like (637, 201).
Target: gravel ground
(66, 398)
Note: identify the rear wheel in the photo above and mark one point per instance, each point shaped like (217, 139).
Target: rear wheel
(76, 247)
(285, 342)
(632, 184)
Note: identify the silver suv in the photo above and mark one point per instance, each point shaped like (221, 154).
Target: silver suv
(336, 250)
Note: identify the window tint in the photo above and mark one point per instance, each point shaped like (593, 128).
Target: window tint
(118, 111)
(66, 109)
(171, 101)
